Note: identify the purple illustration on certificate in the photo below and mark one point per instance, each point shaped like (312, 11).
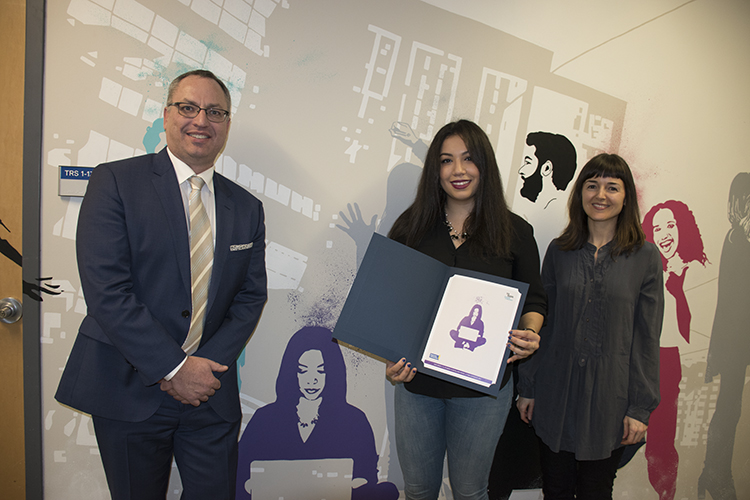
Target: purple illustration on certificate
(475, 349)
(469, 334)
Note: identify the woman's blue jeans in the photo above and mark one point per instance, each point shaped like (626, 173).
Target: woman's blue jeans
(467, 428)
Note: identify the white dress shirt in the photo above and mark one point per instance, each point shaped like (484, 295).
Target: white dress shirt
(184, 172)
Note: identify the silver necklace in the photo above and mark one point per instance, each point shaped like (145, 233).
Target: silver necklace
(455, 235)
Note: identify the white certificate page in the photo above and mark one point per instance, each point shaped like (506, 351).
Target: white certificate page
(470, 334)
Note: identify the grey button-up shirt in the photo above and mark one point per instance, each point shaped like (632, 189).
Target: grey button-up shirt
(599, 355)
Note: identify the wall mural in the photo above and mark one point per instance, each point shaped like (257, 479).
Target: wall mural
(334, 105)
(671, 225)
(33, 291)
(727, 353)
(311, 420)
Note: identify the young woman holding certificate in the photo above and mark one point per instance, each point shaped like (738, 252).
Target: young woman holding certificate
(590, 389)
(460, 218)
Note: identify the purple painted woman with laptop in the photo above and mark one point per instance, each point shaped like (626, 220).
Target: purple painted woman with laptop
(311, 419)
(470, 331)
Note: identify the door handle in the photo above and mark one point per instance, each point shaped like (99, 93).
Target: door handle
(11, 310)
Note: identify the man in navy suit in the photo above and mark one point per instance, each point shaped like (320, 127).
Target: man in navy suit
(150, 400)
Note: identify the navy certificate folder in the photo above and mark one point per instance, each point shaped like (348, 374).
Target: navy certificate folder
(394, 300)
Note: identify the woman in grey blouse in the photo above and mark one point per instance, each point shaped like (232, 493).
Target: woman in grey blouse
(592, 385)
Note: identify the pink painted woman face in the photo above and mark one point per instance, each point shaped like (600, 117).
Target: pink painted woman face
(666, 234)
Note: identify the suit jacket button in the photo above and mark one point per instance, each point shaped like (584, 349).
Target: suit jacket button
(185, 313)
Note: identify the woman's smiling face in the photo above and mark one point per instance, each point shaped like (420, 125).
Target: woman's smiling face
(459, 176)
(603, 198)
(666, 235)
(311, 374)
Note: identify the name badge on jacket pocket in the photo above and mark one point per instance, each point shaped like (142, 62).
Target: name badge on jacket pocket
(237, 248)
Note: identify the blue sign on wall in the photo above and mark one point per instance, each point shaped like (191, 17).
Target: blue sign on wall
(73, 180)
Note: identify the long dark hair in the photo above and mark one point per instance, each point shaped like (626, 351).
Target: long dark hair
(488, 224)
(628, 233)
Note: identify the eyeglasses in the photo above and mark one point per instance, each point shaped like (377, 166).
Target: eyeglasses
(215, 115)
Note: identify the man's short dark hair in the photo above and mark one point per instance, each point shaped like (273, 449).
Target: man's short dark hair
(560, 151)
(203, 73)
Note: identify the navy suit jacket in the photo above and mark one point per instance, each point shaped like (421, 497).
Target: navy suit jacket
(134, 261)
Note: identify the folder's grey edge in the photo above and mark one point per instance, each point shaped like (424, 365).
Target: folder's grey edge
(386, 310)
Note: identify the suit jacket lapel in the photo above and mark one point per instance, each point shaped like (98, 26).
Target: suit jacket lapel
(165, 183)
(224, 230)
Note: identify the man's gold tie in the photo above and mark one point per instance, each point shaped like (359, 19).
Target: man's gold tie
(201, 262)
